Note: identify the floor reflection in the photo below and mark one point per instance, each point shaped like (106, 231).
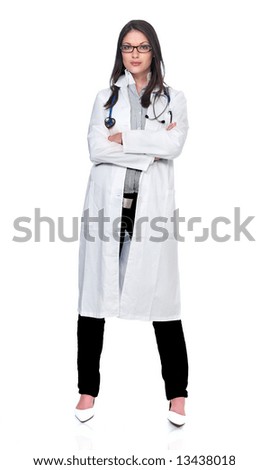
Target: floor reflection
(93, 435)
(175, 436)
(85, 435)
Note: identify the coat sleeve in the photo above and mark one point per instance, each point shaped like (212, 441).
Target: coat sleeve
(163, 143)
(103, 151)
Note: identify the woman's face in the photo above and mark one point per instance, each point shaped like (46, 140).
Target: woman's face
(138, 63)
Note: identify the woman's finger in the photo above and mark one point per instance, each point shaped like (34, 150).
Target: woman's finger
(171, 126)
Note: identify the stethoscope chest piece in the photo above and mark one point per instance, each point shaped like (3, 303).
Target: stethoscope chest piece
(110, 122)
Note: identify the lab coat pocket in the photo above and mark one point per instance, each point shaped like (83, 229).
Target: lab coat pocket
(162, 226)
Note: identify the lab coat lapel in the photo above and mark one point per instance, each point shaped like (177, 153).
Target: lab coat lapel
(122, 83)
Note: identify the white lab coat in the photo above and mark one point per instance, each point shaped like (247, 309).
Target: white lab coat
(144, 283)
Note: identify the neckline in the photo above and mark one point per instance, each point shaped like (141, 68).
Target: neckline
(128, 79)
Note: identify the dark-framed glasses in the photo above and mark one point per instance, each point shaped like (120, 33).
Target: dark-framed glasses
(127, 48)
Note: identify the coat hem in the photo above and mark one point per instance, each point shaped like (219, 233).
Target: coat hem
(128, 317)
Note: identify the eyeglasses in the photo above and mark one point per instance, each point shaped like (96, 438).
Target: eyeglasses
(141, 48)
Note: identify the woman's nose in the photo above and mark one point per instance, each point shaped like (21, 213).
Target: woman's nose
(135, 54)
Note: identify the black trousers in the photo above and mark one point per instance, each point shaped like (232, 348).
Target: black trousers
(171, 346)
(169, 336)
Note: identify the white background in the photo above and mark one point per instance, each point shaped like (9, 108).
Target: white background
(55, 56)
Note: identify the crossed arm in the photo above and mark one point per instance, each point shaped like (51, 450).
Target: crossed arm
(137, 148)
(118, 137)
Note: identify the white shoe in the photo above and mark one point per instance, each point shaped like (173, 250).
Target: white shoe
(176, 418)
(84, 415)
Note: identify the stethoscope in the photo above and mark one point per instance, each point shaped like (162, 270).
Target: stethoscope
(110, 121)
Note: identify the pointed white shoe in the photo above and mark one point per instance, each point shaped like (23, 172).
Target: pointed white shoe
(176, 418)
(84, 415)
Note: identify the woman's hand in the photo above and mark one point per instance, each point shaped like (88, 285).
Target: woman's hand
(171, 126)
(116, 138)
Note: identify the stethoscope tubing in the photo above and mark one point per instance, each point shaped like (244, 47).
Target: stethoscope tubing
(110, 121)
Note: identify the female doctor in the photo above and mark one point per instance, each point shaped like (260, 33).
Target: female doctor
(128, 260)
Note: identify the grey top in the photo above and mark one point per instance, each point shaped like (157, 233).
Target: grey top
(131, 183)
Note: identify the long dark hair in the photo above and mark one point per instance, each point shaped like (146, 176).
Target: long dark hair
(157, 64)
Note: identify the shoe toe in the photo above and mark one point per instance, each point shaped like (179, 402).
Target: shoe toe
(84, 415)
(176, 418)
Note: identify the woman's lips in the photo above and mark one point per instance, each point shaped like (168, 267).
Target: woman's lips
(136, 63)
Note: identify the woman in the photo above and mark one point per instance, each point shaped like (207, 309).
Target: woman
(126, 269)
